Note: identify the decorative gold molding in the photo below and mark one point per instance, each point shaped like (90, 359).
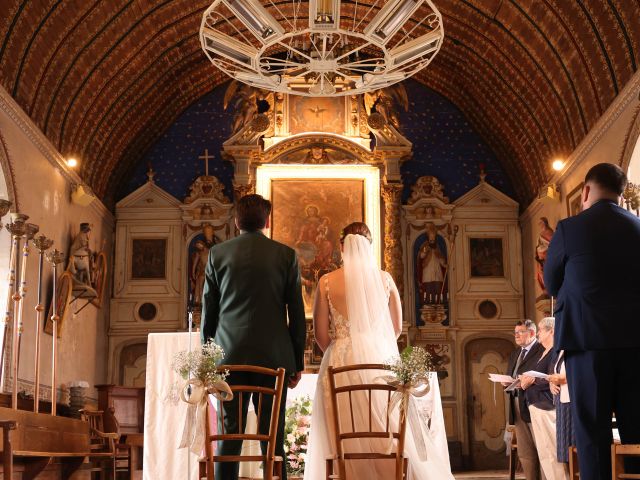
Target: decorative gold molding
(206, 186)
(354, 153)
(240, 191)
(392, 195)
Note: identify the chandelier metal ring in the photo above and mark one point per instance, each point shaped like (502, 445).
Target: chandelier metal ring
(330, 54)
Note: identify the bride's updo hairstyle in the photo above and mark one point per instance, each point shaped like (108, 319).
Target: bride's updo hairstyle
(356, 228)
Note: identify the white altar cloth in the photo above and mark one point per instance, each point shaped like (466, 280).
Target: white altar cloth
(164, 418)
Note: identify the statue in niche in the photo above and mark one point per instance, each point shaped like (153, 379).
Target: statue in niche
(544, 239)
(198, 258)
(198, 264)
(431, 267)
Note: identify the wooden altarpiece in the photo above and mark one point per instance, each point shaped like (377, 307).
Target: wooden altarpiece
(336, 132)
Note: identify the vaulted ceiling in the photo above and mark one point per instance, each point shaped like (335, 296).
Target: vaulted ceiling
(103, 80)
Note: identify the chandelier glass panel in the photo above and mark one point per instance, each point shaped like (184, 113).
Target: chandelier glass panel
(323, 47)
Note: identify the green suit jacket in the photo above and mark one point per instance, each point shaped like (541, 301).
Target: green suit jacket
(251, 284)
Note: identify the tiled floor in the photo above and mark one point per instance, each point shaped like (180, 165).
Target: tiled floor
(486, 475)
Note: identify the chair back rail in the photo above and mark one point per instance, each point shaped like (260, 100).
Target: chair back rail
(244, 392)
(618, 454)
(344, 396)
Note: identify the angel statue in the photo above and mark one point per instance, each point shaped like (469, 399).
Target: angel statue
(385, 102)
(245, 100)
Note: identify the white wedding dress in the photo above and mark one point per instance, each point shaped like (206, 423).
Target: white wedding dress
(368, 338)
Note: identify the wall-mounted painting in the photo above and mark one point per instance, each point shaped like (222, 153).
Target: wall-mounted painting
(308, 216)
(486, 257)
(148, 258)
(311, 205)
(574, 201)
(64, 286)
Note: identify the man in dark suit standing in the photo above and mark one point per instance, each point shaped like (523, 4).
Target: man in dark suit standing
(523, 359)
(593, 267)
(252, 284)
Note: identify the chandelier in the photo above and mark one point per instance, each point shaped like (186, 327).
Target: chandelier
(335, 48)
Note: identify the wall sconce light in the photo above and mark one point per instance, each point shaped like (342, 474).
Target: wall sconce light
(557, 164)
(550, 192)
(82, 195)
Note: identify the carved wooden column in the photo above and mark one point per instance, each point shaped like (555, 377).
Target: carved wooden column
(240, 190)
(391, 194)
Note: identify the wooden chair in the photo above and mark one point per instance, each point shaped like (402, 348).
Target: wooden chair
(618, 452)
(107, 455)
(513, 453)
(341, 418)
(272, 465)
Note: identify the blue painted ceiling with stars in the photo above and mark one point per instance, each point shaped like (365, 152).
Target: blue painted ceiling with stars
(444, 145)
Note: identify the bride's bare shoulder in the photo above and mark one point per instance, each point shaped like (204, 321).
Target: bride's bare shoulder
(331, 275)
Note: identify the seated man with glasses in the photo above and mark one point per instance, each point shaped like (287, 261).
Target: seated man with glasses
(523, 359)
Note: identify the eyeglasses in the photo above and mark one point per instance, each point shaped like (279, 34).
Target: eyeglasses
(520, 332)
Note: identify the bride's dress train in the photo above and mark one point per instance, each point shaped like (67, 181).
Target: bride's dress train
(346, 350)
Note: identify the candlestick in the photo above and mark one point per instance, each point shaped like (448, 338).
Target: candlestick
(7, 317)
(54, 257)
(18, 229)
(43, 244)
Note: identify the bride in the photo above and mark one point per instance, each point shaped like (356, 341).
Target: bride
(357, 318)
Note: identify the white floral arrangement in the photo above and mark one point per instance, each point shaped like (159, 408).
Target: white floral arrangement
(412, 366)
(296, 434)
(201, 364)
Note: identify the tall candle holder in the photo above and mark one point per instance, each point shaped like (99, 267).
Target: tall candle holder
(42, 244)
(18, 229)
(5, 205)
(31, 230)
(54, 257)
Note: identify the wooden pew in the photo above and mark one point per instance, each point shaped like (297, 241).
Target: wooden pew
(37, 438)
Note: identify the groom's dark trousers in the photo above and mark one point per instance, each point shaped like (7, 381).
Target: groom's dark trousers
(593, 267)
(252, 307)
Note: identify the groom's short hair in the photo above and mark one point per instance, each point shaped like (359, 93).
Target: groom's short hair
(252, 212)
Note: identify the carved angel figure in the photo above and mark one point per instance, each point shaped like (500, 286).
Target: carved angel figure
(386, 102)
(244, 99)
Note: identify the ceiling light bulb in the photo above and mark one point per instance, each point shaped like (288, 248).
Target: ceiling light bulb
(72, 162)
(557, 165)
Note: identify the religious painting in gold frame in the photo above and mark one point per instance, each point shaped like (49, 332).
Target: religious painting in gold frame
(311, 205)
(317, 114)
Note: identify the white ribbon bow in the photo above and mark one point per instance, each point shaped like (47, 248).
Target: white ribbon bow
(193, 433)
(400, 398)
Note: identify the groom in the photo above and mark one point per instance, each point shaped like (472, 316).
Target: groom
(251, 284)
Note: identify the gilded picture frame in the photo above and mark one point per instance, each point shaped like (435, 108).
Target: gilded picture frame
(311, 205)
(574, 200)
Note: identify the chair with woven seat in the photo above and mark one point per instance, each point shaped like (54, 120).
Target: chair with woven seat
(345, 417)
(272, 465)
(107, 455)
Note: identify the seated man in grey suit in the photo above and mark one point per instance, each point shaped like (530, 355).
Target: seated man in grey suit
(252, 284)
